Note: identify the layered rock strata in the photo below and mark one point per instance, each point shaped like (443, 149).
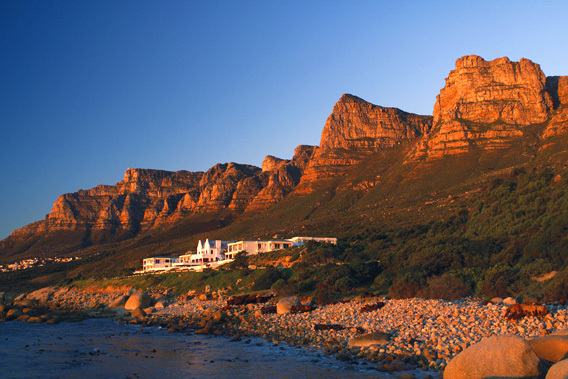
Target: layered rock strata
(355, 129)
(488, 104)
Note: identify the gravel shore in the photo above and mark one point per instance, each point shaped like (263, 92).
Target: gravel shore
(424, 334)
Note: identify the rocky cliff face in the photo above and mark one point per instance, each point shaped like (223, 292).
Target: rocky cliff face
(355, 129)
(557, 86)
(489, 104)
(145, 199)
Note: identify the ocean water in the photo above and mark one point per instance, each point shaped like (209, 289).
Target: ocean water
(101, 348)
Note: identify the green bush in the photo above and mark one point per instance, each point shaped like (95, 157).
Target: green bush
(266, 279)
(447, 287)
(497, 282)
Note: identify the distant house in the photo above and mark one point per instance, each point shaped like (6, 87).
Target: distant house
(158, 263)
(207, 252)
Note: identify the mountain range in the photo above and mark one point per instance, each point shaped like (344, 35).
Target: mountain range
(374, 166)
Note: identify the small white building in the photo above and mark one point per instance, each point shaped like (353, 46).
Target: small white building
(158, 263)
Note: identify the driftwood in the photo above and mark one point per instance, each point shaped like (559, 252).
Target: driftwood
(248, 299)
(372, 307)
(269, 309)
(301, 308)
(328, 327)
(518, 311)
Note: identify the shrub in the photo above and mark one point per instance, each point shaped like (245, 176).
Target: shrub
(266, 279)
(343, 284)
(557, 288)
(322, 297)
(405, 287)
(497, 282)
(284, 288)
(447, 287)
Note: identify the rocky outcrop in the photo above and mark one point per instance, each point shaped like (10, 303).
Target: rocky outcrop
(489, 104)
(283, 176)
(355, 123)
(495, 91)
(145, 199)
(354, 130)
(557, 86)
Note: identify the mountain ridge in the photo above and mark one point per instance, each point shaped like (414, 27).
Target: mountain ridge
(490, 115)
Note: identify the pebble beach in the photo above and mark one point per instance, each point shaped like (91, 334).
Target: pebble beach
(422, 335)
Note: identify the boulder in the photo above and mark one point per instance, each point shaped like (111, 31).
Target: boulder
(138, 313)
(502, 356)
(138, 300)
(13, 314)
(497, 300)
(375, 338)
(558, 370)
(552, 348)
(285, 304)
(119, 302)
(161, 304)
(509, 301)
(149, 310)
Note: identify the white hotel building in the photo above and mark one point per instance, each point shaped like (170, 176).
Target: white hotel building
(216, 252)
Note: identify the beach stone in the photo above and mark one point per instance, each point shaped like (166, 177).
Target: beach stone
(558, 370)
(504, 356)
(203, 297)
(497, 300)
(149, 310)
(376, 338)
(553, 348)
(119, 302)
(13, 314)
(138, 300)
(509, 301)
(19, 297)
(161, 304)
(285, 304)
(138, 313)
(35, 319)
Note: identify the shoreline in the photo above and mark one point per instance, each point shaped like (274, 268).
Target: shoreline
(423, 335)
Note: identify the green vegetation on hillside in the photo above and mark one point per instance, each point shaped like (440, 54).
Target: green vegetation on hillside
(502, 237)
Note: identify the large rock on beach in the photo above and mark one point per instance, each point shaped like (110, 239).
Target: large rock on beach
(375, 338)
(119, 302)
(138, 300)
(138, 313)
(503, 356)
(558, 370)
(553, 348)
(42, 295)
(285, 304)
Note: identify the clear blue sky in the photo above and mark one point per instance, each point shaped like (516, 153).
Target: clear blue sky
(90, 88)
